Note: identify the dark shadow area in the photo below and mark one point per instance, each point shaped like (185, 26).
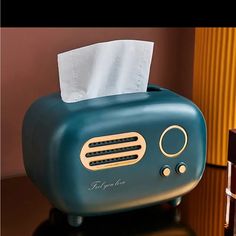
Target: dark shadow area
(158, 220)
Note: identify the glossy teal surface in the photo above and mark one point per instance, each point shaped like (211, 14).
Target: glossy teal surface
(54, 133)
(168, 145)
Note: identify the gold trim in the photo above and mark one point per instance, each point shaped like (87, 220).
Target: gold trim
(185, 142)
(86, 149)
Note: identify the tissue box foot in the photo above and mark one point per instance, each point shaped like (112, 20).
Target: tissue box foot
(74, 220)
(175, 202)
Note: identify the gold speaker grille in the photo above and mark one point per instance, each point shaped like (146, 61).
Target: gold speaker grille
(113, 151)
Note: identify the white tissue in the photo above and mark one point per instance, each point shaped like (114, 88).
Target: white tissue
(102, 69)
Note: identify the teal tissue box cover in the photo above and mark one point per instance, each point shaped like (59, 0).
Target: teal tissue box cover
(114, 153)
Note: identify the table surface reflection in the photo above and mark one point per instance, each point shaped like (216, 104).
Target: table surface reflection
(202, 212)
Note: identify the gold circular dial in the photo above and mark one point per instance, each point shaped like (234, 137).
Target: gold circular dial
(179, 128)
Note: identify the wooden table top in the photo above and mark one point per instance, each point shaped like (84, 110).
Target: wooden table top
(25, 211)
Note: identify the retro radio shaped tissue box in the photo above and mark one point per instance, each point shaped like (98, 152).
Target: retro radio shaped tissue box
(114, 153)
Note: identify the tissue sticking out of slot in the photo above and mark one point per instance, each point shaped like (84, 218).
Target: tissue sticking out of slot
(103, 69)
(113, 151)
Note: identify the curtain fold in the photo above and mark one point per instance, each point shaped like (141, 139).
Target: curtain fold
(214, 87)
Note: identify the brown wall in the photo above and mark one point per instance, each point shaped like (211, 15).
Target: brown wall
(29, 70)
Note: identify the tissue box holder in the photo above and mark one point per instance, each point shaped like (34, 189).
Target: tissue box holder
(114, 153)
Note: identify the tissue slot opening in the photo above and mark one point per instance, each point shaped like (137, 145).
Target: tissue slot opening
(153, 89)
(112, 160)
(110, 151)
(114, 141)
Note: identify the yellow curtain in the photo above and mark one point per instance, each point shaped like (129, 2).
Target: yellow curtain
(214, 87)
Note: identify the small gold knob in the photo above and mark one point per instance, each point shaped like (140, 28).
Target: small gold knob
(181, 169)
(165, 171)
